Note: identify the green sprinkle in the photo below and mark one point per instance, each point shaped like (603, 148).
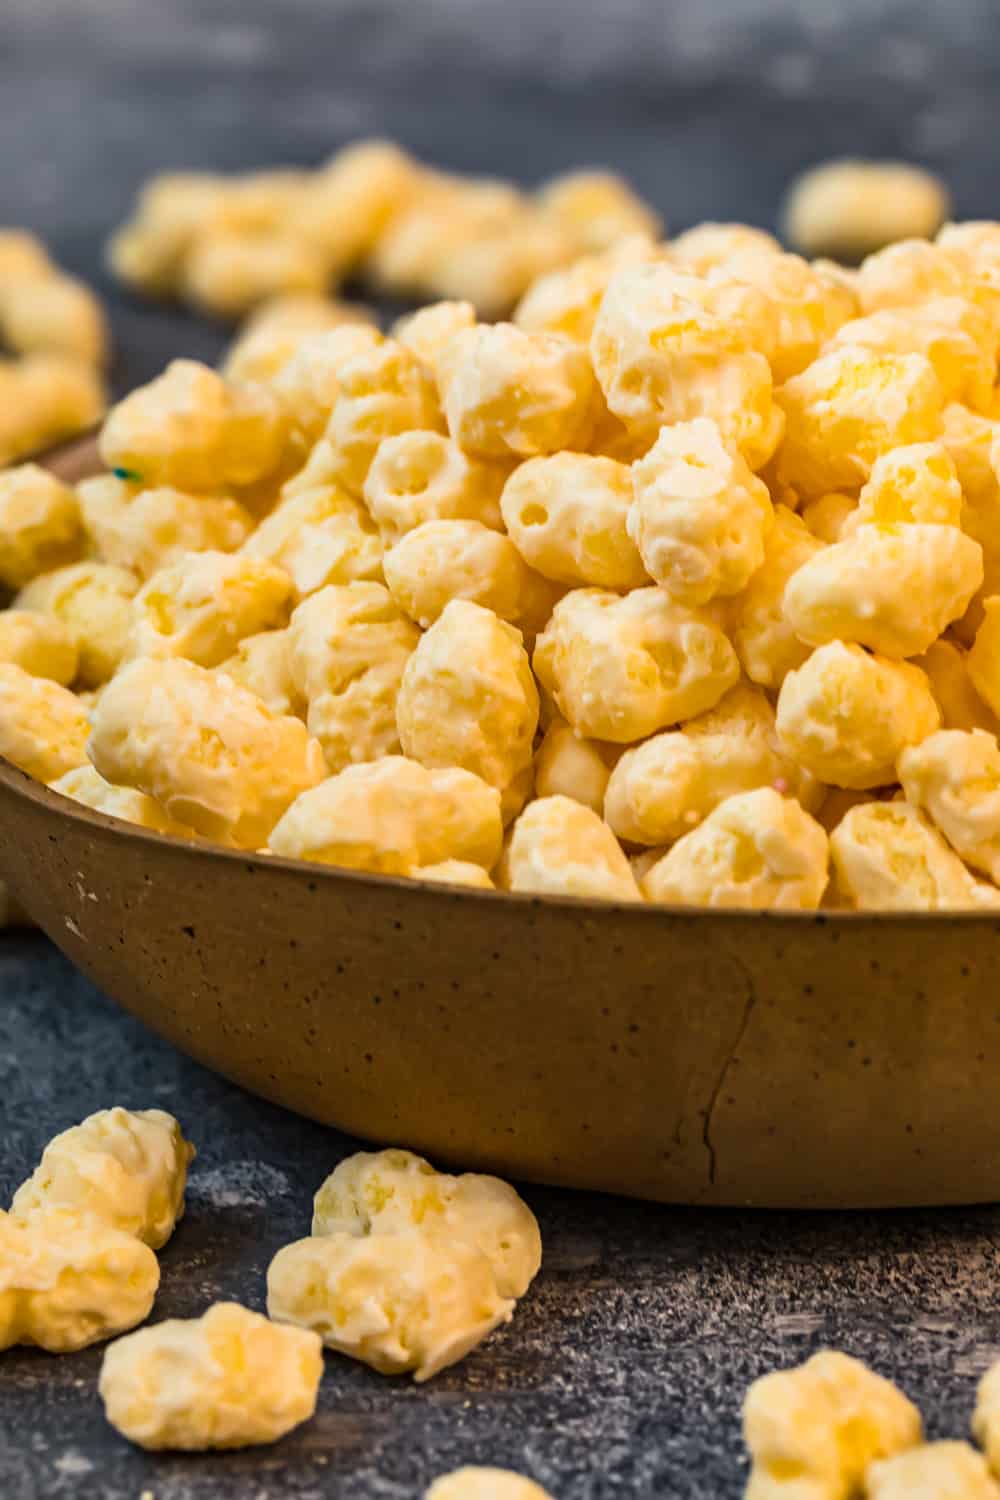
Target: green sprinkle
(131, 474)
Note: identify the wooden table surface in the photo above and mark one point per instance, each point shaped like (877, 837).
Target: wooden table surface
(624, 1369)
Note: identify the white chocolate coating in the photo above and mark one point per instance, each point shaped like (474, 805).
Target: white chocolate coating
(385, 1191)
(40, 644)
(510, 393)
(568, 517)
(620, 668)
(68, 1280)
(228, 1379)
(144, 530)
(424, 476)
(94, 601)
(477, 1483)
(894, 588)
(86, 786)
(558, 847)
(43, 728)
(348, 646)
(125, 1167)
(202, 607)
(416, 1300)
(393, 816)
(825, 1421)
(319, 536)
(888, 857)
(468, 698)
(700, 519)
(848, 408)
(39, 524)
(846, 716)
(661, 789)
(192, 429)
(209, 751)
(757, 849)
(847, 208)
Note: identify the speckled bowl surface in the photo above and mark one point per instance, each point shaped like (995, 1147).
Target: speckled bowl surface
(690, 1056)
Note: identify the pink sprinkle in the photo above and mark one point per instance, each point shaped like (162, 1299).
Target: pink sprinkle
(781, 785)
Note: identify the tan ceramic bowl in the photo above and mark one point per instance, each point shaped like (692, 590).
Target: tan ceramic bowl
(690, 1056)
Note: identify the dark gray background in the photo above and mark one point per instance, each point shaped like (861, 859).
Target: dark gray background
(709, 106)
(623, 1371)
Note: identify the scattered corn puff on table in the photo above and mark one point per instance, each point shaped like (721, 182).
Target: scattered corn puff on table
(622, 1365)
(623, 1371)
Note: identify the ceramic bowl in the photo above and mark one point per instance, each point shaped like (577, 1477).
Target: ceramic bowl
(794, 1060)
(699, 1057)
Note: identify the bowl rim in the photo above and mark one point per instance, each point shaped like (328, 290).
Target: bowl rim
(21, 784)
